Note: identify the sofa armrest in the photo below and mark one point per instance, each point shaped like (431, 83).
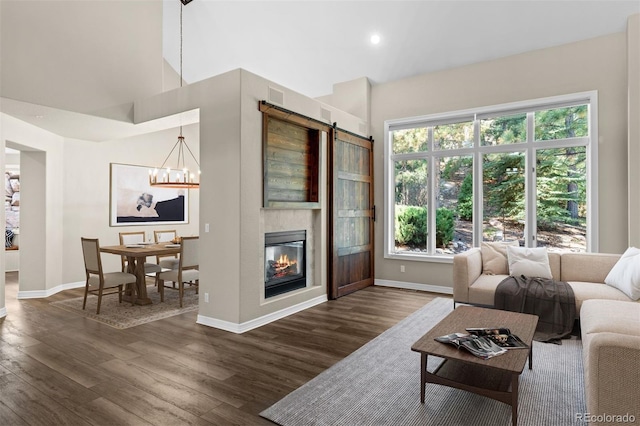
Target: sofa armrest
(611, 373)
(467, 267)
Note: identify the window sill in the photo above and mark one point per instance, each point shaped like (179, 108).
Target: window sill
(432, 258)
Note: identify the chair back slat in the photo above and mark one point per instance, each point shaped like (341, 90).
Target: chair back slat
(164, 236)
(131, 237)
(189, 253)
(91, 254)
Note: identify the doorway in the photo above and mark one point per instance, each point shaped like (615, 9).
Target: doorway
(31, 223)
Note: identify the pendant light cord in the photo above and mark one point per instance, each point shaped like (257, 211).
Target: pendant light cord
(181, 7)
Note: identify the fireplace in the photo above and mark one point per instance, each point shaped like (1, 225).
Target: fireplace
(284, 262)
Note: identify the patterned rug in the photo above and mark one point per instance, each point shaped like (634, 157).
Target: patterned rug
(125, 315)
(379, 384)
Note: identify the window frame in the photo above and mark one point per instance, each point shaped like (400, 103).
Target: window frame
(529, 147)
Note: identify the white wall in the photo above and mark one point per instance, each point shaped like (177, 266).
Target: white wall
(47, 211)
(596, 64)
(219, 103)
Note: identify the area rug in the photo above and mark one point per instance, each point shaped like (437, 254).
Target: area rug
(125, 315)
(379, 384)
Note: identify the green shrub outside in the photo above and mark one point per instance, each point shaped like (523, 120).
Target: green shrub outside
(411, 226)
(445, 226)
(465, 198)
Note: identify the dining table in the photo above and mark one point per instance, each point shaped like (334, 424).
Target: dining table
(136, 255)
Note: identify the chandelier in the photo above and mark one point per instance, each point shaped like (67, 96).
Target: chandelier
(180, 176)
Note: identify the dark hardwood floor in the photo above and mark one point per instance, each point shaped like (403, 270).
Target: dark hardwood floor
(57, 368)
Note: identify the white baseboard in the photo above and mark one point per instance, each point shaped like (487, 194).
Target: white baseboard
(3, 312)
(258, 322)
(415, 286)
(39, 294)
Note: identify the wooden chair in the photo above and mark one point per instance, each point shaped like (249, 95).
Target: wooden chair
(150, 269)
(166, 262)
(187, 271)
(96, 277)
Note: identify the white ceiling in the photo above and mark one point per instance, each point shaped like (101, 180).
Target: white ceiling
(309, 45)
(305, 45)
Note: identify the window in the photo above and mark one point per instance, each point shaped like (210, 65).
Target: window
(515, 172)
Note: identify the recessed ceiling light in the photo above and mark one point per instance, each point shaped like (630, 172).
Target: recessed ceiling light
(375, 39)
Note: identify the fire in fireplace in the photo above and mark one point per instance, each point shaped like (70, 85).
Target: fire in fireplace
(284, 262)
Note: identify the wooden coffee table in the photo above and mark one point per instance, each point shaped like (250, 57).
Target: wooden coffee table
(495, 378)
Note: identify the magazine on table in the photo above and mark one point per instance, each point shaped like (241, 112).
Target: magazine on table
(501, 336)
(480, 346)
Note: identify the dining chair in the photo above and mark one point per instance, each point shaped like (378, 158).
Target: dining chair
(150, 269)
(97, 278)
(187, 271)
(171, 261)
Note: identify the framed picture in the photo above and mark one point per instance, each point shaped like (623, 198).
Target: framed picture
(133, 201)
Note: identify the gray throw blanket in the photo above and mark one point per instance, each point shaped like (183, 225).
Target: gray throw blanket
(552, 301)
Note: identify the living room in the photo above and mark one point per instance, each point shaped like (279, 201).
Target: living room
(79, 206)
(421, 95)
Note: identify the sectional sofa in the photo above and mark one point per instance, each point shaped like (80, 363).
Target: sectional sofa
(609, 322)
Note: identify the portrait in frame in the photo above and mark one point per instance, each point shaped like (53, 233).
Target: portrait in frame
(133, 201)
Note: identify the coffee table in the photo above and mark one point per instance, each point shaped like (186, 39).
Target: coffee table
(496, 377)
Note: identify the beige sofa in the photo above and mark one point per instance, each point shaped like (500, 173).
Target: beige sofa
(585, 273)
(609, 322)
(611, 359)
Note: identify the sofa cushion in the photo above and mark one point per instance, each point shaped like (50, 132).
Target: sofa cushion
(494, 257)
(610, 316)
(483, 290)
(554, 264)
(625, 274)
(530, 262)
(586, 291)
(587, 267)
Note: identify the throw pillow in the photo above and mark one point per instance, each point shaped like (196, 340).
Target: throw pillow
(494, 257)
(625, 274)
(530, 262)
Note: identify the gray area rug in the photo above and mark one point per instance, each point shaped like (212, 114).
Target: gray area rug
(379, 384)
(125, 315)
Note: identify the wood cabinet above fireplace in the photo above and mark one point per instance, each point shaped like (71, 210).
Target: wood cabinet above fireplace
(291, 164)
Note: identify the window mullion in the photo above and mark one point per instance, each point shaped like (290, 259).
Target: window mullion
(477, 186)
(530, 204)
(431, 191)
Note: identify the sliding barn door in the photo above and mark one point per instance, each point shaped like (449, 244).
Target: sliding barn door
(351, 213)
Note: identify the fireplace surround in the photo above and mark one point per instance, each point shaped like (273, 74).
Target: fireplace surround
(284, 262)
